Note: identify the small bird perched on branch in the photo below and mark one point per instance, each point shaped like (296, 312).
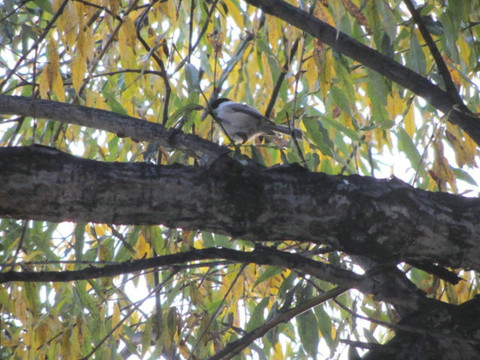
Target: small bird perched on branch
(242, 122)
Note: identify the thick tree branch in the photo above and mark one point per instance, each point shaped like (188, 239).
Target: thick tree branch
(385, 220)
(440, 331)
(122, 125)
(457, 112)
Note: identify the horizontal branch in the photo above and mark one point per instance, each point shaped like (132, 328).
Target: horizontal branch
(122, 125)
(377, 282)
(341, 42)
(261, 256)
(386, 220)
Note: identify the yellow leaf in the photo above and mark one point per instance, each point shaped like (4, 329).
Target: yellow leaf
(267, 73)
(441, 171)
(41, 332)
(470, 145)
(379, 138)
(464, 52)
(168, 8)
(142, 248)
(75, 340)
(9, 342)
(273, 31)
(462, 291)
(71, 22)
(323, 62)
(58, 88)
(235, 14)
(52, 77)
(70, 266)
(187, 238)
(394, 104)
(44, 85)
(101, 229)
(130, 31)
(89, 98)
(116, 320)
(355, 11)
(323, 14)
(67, 352)
(311, 73)
(53, 58)
(81, 43)
(463, 154)
(409, 122)
(104, 253)
(114, 5)
(90, 40)
(79, 67)
(126, 44)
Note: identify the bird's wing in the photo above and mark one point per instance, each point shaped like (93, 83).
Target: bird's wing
(266, 125)
(247, 110)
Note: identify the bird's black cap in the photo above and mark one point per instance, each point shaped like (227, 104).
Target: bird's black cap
(215, 103)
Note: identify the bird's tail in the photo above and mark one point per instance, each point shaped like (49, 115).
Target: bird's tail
(284, 130)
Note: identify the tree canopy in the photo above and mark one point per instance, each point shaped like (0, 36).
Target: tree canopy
(132, 227)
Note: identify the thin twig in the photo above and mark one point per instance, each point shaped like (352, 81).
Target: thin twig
(217, 309)
(120, 323)
(34, 46)
(442, 67)
(236, 346)
(163, 74)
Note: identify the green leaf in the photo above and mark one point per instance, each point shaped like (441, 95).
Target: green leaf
(308, 331)
(433, 27)
(267, 274)
(222, 240)
(464, 176)
(147, 334)
(32, 297)
(388, 19)
(114, 104)
(318, 134)
(208, 240)
(415, 57)
(449, 38)
(85, 301)
(406, 145)
(257, 317)
(79, 241)
(44, 5)
(341, 100)
(192, 77)
(325, 325)
(343, 129)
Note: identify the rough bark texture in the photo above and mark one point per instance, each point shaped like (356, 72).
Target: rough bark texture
(385, 220)
(380, 221)
(439, 331)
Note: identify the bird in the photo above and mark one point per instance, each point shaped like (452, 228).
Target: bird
(242, 122)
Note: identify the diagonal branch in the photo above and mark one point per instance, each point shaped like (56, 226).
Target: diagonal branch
(122, 125)
(457, 113)
(442, 68)
(236, 346)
